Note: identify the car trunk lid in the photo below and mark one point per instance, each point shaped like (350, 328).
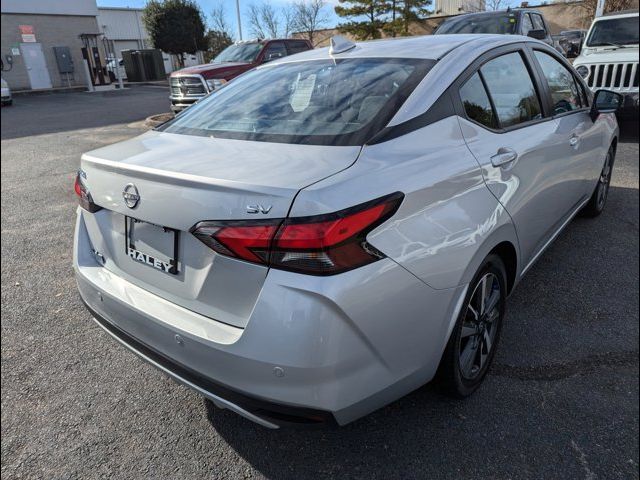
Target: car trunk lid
(181, 180)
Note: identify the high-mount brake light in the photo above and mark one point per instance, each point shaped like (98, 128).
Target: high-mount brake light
(318, 245)
(84, 197)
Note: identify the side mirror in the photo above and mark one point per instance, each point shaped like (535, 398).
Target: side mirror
(538, 34)
(605, 101)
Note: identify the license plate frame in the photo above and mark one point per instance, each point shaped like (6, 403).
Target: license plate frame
(146, 259)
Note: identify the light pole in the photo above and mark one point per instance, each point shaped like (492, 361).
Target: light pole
(239, 20)
(600, 8)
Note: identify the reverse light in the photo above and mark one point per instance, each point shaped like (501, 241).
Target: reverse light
(318, 245)
(84, 197)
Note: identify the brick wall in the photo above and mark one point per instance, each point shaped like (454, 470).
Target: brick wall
(50, 31)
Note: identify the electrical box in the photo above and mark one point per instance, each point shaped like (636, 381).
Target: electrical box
(63, 59)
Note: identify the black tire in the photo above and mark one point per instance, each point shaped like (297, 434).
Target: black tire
(598, 200)
(451, 376)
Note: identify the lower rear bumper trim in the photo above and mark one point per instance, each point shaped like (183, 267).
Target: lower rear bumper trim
(264, 413)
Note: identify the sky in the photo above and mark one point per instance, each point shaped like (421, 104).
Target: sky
(230, 9)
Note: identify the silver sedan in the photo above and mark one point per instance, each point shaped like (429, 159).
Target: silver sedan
(332, 230)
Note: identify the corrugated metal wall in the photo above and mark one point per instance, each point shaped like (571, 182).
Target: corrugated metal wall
(122, 24)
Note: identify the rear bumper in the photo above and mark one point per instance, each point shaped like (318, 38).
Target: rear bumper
(316, 349)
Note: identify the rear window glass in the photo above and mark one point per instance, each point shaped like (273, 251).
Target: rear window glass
(297, 47)
(341, 102)
(502, 24)
(476, 102)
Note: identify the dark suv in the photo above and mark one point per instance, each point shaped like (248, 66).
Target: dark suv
(517, 21)
(192, 83)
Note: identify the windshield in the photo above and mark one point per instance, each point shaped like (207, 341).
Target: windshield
(242, 52)
(616, 31)
(502, 24)
(322, 102)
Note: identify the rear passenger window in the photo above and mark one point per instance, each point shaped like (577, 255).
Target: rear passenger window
(476, 102)
(512, 90)
(562, 84)
(297, 47)
(274, 50)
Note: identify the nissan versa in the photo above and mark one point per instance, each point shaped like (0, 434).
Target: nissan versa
(334, 229)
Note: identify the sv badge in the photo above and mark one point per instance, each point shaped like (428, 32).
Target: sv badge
(259, 209)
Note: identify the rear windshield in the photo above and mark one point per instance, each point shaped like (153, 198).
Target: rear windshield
(322, 102)
(502, 24)
(614, 32)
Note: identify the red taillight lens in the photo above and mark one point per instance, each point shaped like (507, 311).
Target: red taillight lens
(320, 245)
(84, 197)
(249, 241)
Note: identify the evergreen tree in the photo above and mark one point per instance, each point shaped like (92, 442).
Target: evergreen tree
(368, 17)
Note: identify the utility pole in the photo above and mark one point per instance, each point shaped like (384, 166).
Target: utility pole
(600, 8)
(239, 19)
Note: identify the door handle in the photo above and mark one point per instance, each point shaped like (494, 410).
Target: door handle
(574, 140)
(504, 157)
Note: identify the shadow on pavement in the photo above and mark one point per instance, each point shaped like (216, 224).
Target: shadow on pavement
(629, 131)
(61, 112)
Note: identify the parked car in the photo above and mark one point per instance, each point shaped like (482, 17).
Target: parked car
(189, 85)
(572, 41)
(327, 233)
(609, 58)
(6, 93)
(560, 44)
(516, 21)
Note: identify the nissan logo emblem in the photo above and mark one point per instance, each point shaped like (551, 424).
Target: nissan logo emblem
(130, 195)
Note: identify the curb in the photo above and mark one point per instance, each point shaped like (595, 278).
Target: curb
(154, 120)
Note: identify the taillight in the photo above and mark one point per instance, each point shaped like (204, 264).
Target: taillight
(319, 245)
(84, 197)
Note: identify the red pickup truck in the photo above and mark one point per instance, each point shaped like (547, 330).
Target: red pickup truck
(192, 83)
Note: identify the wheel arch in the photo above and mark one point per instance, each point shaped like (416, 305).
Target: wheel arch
(509, 256)
(504, 243)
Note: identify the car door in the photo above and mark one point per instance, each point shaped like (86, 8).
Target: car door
(507, 126)
(578, 140)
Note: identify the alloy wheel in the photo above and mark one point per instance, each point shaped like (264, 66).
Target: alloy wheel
(480, 325)
(604, 182)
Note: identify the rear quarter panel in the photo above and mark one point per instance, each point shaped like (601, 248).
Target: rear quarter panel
(448, 221)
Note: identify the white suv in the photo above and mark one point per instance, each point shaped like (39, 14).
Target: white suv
(609, 58)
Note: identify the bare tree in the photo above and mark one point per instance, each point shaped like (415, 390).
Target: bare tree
(309, 17)
(589, 6)
(264, 21)
(288, 20)
(495, 4)
(219, 21)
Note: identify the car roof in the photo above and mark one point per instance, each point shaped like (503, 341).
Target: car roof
(428, 47)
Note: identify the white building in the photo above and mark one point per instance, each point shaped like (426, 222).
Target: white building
(124, 27)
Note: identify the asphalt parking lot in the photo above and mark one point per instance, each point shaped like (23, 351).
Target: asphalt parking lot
(560, 402)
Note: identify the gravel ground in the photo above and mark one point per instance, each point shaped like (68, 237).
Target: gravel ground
(561, 401)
